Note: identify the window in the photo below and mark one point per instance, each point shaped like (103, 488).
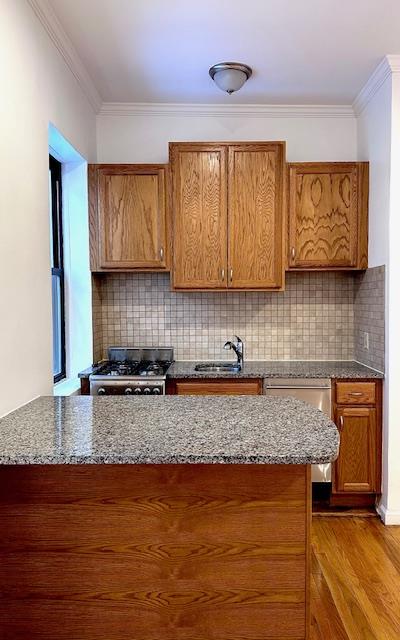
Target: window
(57, 269)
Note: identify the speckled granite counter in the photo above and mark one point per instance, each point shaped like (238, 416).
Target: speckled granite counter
(281, 369)
(169, 429)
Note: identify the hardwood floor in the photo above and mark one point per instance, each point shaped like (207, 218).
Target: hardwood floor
(355, 582)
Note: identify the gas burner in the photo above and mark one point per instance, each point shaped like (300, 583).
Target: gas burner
(132, 371)
(118, 368)
(153, 368)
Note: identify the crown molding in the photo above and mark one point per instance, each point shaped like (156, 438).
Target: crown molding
(63, 44)
(225, 110)
(389, 65)
(394, 62)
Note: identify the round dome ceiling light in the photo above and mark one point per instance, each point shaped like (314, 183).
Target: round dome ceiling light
(230, 76)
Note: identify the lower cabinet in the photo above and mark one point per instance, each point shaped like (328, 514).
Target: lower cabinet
(209, 387)
(357, 412)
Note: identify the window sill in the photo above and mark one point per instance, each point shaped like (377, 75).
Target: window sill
(68, 387)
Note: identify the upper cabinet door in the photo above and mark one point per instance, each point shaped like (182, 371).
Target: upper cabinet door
(128, 219)
(255, 219)
(199, 215)
(328, 215)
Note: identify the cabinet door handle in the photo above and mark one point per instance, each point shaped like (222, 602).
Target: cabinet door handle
(355, 393)
(222, 274)
(341, 424)
(293, 253)
(231, 274)
(161, 254)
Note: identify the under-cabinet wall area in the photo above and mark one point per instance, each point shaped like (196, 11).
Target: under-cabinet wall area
(317, 317)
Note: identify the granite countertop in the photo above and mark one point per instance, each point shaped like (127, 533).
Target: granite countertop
(167, 429)
(272, 369)
(280, 369)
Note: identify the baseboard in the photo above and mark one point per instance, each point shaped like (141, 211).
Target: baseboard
(388, 516)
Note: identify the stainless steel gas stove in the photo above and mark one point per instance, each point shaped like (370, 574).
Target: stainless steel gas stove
(132, 371)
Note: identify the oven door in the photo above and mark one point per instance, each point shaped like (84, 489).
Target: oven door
(104, 386)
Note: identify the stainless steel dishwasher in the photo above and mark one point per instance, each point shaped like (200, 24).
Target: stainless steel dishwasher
(315, 391)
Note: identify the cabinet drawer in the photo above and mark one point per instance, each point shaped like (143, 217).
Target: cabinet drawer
(217, 387)
(355, 393)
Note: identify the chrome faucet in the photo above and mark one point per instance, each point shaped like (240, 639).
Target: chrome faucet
(238, 348)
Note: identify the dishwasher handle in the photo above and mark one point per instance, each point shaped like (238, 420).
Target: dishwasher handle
(293, 387)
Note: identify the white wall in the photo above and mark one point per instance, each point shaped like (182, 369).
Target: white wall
(37, 88)
(378, 142)
(374, 145)
(391, 500)
(144, 138)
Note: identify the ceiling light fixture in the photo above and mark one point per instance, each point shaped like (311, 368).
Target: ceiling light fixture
(230, 76)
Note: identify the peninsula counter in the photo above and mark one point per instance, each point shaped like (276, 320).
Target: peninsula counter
(172, 518)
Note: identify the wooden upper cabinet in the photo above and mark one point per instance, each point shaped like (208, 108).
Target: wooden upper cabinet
(128, 208)
(199, 215)
(255, 215)
(227, 203)
(328, 215)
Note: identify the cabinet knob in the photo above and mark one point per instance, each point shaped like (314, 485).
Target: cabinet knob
(293, 253)
(162, 253)
(222, 274)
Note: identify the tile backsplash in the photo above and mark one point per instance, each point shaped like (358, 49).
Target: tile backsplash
(369, 317)
(313, 319)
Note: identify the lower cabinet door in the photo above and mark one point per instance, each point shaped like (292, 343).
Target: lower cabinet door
(356, 468)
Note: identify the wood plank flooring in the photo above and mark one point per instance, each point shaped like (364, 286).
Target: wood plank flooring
(355, 582)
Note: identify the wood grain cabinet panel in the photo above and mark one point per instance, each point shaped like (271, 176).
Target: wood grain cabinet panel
(154, 552)
(355, 393)
(227, 204)
(328, 215)
(200, 215)
(357, 412)
(202, 387)
(255, 214)
(355, 469)
(128, 217)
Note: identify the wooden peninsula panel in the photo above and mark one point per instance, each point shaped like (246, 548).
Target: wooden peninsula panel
(154, 552)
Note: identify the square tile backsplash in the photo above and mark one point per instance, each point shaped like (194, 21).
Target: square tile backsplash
(313, 319)
(369, 317)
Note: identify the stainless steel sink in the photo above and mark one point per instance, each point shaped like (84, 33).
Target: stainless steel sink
(218, 367)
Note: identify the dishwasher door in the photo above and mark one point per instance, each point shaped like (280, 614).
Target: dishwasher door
(315, 391)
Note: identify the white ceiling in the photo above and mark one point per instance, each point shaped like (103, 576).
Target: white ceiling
(301, 52)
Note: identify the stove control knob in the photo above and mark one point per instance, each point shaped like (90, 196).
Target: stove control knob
(137, 390)
(156, 391)
(101, 391)
(147, 391)
(128, 391)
